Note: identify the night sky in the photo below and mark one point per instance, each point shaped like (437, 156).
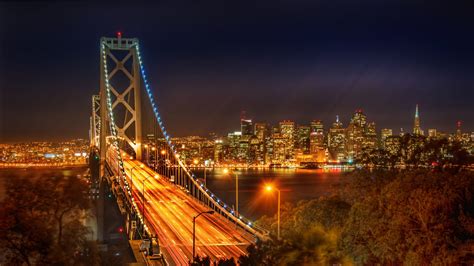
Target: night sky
(208, 60)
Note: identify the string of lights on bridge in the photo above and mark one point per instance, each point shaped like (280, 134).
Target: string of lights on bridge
(200, 185)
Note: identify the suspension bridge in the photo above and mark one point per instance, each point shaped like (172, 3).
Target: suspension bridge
(156, 191)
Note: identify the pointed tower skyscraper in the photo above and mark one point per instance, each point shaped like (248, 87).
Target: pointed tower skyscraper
(416, 124)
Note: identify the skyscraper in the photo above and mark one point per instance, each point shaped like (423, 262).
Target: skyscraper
(416, 123)
(356, 133)
(262, 134)
(384, 134)
(261, 131)
(458, 131)
(432, 133)
(302, 138)
(279, 148)
(337, 141)
(246, 127)
(287, 129)
(370, 138)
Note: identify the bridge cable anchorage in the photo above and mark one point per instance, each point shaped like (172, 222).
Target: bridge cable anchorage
(244, 223)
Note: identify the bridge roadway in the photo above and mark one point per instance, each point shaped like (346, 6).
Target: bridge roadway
(169, 211)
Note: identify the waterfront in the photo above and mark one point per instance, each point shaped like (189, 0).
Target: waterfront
(295, 185)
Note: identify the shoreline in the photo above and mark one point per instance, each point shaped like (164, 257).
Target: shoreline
(42, 167)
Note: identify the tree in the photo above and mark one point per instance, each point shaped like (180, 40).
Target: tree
(309, 233)
(41, 221)
(417, 217)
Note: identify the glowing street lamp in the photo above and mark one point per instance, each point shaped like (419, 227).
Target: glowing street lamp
(194, 230)
(147, 154)
(269, 188)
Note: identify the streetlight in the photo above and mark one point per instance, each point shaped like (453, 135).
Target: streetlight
(270, 188)
(131, 176)
(146, 150)
(194, 230)
(226, 171)
(153, 149)
(163, 152)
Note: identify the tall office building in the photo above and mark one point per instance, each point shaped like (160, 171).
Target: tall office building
(416, 123)
(233, 140)
(337, 141)
(246, 127)
(370, 138)
(432, 133)
(317, 136)
(355, 134)
(279, 148)
(384, 134)
(218, 150)
(316, 141)
(458, 131)
(316, 126)
(261, 131)
(287, 130)
(262, 134)
(302, 138)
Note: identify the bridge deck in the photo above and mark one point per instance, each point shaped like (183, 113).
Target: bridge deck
(169, 212)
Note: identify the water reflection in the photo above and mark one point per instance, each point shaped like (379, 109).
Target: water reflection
(295, 184)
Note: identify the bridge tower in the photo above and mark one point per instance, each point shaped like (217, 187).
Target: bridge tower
(95, 122)
(123, 79)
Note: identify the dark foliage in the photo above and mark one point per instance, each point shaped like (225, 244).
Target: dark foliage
(380, 217)
(41, 222)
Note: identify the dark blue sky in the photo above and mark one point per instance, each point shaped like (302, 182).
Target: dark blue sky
(208, 60)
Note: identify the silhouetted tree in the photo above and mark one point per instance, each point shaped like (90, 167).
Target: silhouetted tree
(41, 221)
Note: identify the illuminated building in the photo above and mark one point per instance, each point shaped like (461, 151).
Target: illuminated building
(233, 140)
(316, 126)
(287, 131)
(218, 150)
(337, 141)
(432, 133)
(279, 148)
(44, 154)
(261, 132)
(416, 123)
(392, 144)
(384, 134)
(402, 132)
(243, 149)
(256, 154)
(355, 134)
(316, 141)
(302, 139)
(370, 138)
(458, 131)
(246, 127)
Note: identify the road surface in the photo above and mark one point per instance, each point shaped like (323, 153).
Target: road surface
(169, 211)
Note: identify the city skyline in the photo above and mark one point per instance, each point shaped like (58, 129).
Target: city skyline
(237, 133)
(298, 61)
